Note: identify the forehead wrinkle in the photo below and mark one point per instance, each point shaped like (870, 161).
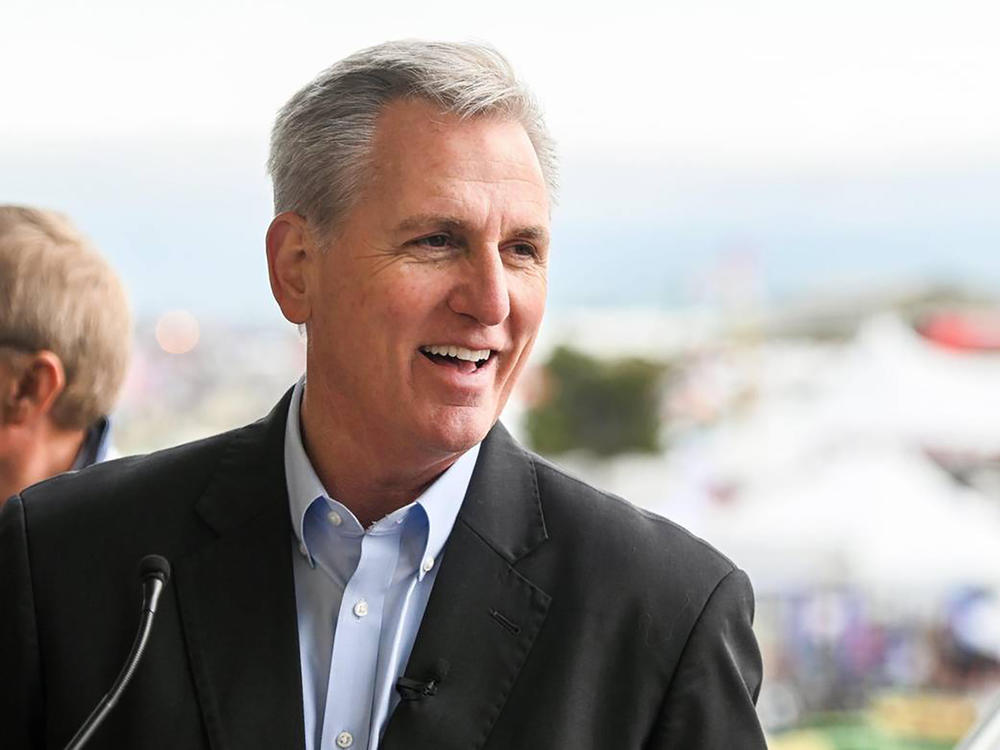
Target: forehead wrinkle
(469, 197)
(498, 180)
(451, 185)
(497, 169)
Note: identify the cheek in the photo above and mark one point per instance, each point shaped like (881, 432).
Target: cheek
(399, 306)
(415, 292)
(528, 308)
(400, 312)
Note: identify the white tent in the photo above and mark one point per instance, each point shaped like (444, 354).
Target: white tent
(826, 477)
(881, 517)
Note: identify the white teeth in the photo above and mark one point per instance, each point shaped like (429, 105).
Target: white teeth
(469, 355)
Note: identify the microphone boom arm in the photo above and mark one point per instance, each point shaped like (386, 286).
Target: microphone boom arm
(154, 579)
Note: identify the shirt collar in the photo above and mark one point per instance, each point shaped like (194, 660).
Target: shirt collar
(440, 502)
(303, 485)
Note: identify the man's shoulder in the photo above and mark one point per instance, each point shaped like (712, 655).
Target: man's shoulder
(601, 525)
(106, 489)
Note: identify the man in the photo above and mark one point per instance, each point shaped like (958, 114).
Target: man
(377, 562)
(65, 333)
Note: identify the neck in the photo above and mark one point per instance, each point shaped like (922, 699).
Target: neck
(366, 475)
(39, 455)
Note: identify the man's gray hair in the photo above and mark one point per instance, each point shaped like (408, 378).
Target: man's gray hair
(322, 138)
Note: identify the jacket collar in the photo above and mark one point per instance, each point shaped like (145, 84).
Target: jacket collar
(95, 445)
(502, 505)
(483, 615)
(237, 601)
(250, 477)
(236, 597)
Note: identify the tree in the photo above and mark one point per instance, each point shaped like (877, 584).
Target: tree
(602, 406)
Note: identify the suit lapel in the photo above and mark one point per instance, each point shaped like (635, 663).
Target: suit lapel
(482, 616)
(237, 598)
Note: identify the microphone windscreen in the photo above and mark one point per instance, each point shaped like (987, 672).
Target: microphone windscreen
(155, 566)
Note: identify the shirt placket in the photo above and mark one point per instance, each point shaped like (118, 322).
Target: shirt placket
(354, 658)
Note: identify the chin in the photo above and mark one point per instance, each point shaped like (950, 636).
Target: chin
(457, 429)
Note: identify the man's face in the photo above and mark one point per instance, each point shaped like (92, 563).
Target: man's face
(426, 304)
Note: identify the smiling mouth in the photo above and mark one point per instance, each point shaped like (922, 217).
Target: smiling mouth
(465, 360)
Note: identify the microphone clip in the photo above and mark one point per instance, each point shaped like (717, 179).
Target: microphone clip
(414, 690)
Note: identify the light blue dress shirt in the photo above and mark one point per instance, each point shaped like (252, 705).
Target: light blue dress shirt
(360, 594)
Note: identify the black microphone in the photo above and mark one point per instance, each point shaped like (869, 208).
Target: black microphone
(154, 571)
(414, 690)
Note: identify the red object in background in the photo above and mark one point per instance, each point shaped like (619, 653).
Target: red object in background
(967, 331)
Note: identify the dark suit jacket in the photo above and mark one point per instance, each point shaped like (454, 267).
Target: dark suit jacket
(568, 618)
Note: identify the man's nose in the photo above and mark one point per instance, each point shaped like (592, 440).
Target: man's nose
(481, 291)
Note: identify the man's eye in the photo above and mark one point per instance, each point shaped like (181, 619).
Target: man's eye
(436, 241)
(524, 250)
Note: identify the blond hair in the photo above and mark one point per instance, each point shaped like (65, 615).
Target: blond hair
(57, 293)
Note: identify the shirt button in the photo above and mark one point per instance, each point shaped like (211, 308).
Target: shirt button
(345, 739)
(360, 610)
(334, 518)
(427, 564)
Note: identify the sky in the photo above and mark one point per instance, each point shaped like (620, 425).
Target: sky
(787, 80)
(843, 139)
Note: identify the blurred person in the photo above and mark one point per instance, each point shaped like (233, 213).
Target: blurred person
(377, 563)
(65, 333)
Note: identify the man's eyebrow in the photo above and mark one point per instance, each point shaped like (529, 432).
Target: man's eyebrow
(450, 223)
(537, 233)
(422, 221)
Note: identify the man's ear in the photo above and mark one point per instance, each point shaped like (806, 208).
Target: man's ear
(291, 254)
(33, 385)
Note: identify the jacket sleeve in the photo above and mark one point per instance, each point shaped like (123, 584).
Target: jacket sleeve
(710, 702)
(21, 706)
